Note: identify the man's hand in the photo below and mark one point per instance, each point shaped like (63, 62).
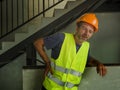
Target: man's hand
(101, 69)
(47, 69)
(39, 45)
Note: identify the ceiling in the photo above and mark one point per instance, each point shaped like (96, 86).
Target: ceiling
(109, 6)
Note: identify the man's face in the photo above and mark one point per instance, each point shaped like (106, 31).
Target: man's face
(85, 31)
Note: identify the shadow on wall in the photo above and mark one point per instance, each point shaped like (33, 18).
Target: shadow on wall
(105, 44)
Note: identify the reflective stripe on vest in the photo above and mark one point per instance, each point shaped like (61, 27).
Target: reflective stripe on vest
(66, 70)
(59, 82)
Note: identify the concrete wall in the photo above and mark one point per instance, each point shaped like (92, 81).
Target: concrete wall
(90, 81)
(32, 79)
(106, 43)
(11, 74)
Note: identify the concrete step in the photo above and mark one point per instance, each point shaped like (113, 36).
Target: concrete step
(62, 5)
(69, 6)
(6, 46)
(20, 36)
(72, 4)
(9, 37)
(59, 12)
(47, 20)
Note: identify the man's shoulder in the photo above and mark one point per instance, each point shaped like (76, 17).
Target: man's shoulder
(61, 35)
(53, 40)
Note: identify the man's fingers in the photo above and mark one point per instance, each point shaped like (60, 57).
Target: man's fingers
(101, 69)
(48, 69)
(104, 71)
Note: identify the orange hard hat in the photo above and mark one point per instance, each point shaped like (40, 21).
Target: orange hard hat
(89, 18)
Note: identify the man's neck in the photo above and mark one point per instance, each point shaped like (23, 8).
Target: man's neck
(77, 40)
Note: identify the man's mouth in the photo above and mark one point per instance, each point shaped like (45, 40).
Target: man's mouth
(84, 37)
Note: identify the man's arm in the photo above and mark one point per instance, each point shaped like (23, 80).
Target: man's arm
(39, 45)
(101, 69)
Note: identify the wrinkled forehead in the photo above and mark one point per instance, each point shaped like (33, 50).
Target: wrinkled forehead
(87, 24)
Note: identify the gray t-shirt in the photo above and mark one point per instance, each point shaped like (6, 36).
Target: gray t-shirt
(54, 42)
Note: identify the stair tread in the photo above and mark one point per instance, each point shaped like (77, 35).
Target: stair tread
(72, 4)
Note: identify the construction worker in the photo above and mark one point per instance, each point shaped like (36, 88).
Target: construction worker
(70, 53)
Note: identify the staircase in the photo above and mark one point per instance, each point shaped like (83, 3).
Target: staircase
(38, 23)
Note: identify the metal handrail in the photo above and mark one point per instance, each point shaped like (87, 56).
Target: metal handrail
(16, 13)
(55, 26)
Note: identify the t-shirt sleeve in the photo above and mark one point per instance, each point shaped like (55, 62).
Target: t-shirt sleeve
(53, 40)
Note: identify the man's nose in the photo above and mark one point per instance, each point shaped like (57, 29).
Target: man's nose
(86, 32)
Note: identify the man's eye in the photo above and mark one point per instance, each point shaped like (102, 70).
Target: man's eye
(90, 31)
(83, 28)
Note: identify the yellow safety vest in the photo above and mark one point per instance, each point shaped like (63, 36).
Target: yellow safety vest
(68, 67)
